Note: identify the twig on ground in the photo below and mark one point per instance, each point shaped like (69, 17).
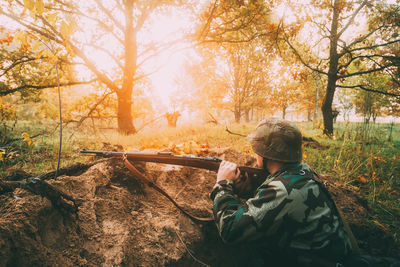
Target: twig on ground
(242, 135)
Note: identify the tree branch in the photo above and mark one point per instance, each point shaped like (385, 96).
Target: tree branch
(370, 57)
(20, 61)
(368, 90)
(109, 15)
(107, 52)
(365, 72)
(93, 108)
(352, 18)
(101, 76)
(30, 27)
(374, 46)
(302, 60)
(39, 87)
(210, 17)
(100, 22)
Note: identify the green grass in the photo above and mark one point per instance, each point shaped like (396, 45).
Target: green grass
(363, 158)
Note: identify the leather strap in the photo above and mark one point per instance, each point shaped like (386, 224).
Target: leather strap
(154, 186)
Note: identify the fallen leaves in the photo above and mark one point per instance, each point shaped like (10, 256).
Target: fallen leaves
(362, 179)
(189, 147)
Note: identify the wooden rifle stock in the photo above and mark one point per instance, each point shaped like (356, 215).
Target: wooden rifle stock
(208, 163)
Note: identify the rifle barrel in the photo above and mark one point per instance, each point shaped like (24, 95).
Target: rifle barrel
(208, 163)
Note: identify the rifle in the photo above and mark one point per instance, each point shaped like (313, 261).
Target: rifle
(250, 179)
(208, 163)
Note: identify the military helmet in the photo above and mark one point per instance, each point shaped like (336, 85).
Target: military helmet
(278, 140)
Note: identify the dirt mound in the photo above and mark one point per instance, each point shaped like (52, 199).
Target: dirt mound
(122, 222)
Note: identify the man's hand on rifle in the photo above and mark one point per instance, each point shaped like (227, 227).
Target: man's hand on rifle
(228, 171)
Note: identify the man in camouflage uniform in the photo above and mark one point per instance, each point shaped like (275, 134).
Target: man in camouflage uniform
(290, 213)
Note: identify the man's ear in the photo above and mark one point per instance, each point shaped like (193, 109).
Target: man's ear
(259, 161)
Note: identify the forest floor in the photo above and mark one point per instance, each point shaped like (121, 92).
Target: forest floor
(122, 222)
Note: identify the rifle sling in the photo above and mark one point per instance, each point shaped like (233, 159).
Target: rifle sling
(153, 185)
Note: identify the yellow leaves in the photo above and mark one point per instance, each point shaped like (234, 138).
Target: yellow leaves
(69, 49)
(6, 155)
(36, 46)
(47, 54)
(189, 147)
(152, 143)
(29, 4)
(35, 7)
(21, 37)
(7, 112)
(39, 6)
(2, 154)
(40, 54)
(64, 29)
(51, 18)
(6, 40)
(27, 138)
(68, 27)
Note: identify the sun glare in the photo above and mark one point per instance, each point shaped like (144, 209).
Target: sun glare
(163, 29)
(166, 30)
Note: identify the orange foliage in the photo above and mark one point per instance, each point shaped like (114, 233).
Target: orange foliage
(190, 147)
(362, 179)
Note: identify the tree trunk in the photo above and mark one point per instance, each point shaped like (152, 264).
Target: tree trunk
(247, 115)
(125, 124)
(284, 112)
(237, 116)
(374, 116)
(309, 111)
(332, 75)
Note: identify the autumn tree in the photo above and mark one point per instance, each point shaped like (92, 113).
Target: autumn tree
(373, 45)
(290, 85)
(245, 77)
(241, 29)
(345, 103)
(94, 32)
(308, 101)
(231, 77)
(332, 22)
(369, 104)
(28, 72)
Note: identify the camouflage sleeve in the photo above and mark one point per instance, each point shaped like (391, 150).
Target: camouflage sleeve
(251, 220)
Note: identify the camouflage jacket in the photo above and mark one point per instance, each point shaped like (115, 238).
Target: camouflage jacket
(289, 210)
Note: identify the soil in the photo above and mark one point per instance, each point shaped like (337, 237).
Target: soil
(122, 222)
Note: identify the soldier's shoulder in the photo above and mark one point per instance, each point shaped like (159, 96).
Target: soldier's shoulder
(296, 177)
